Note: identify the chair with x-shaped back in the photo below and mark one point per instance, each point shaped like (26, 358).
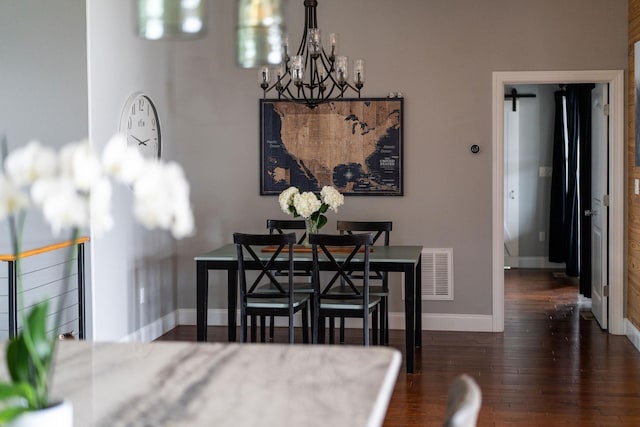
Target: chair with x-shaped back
(302, 283)
(266, 295)
(342, 254)
(381, 231)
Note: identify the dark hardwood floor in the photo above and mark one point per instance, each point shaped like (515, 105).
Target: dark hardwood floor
(553, 365)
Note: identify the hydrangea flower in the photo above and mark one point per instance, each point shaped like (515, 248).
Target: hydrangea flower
(306, 204)
(309, 205)
(332, 198)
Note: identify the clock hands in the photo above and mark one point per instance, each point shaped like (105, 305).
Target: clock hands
(140, 142)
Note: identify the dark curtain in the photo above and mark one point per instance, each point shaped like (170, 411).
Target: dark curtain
(583, 101)
(557, 241)
(570, 235)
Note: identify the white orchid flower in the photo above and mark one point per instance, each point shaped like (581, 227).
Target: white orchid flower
(80, 162)
(161, 196)
(62, 205)
(12, 200)
(123, 162)
(29, 163)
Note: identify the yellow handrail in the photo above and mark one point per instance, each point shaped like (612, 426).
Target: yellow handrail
(43, 249)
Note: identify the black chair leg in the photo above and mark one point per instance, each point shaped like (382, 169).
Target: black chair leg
(305, 325)
(365, 331)
(271, 327)
(243, 329)
(383, 320)
(263, 325)
(321, 331)
(374, 325)
(342, 330)
(313, 317)
(253, 328)
(332, 330)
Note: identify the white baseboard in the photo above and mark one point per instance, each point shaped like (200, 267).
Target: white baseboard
(153, 330)
(632, 333)
(430, 322)
(532, 262)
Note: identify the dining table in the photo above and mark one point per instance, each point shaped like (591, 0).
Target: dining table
(393, 258)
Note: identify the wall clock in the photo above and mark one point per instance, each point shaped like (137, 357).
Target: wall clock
(140, 124)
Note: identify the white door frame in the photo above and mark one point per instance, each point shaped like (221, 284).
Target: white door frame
(617, 145)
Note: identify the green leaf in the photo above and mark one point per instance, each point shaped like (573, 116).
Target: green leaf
(323, 208)
(18, 360)
(38, 329)
(20, 390)
(322, 220)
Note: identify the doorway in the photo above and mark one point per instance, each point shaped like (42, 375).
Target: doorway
(539, 212)
(615, 79)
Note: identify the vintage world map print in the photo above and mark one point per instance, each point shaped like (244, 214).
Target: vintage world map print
(354, 145)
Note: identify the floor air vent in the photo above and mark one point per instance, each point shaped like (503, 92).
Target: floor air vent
(437, 274)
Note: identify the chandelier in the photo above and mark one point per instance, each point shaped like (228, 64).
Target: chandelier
(312, 76)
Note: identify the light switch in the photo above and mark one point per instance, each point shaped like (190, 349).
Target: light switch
(636, 183)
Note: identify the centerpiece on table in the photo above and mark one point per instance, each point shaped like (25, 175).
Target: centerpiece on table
(72, 188)
(310, 206)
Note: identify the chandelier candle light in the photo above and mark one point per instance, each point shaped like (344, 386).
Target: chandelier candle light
(312, 76)
(310, 206)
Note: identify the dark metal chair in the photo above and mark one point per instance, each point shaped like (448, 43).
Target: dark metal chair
(381, 232)
(332, 298)
(280, 225)
(303, 286)
(272, 298)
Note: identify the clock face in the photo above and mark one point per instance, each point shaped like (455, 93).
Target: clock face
(140, 125)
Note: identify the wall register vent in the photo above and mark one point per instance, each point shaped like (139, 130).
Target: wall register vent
(437, 274)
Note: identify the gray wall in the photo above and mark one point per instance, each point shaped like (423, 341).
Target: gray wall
(43, 96)
(128, 258)
(34, 80)
(441, 55)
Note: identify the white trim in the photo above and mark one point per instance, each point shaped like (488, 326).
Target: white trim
(430, 321)
(153, 330)
(632, 333)
(532, 262)
(617, 147)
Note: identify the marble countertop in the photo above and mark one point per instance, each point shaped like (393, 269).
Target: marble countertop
(214, 384)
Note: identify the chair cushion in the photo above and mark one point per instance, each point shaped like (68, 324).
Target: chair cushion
(338, 304)
(376, 290)
(277, 302)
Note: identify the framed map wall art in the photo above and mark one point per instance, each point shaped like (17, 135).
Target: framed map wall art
(354, 145)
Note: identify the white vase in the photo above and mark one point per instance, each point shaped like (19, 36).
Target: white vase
(57, 415)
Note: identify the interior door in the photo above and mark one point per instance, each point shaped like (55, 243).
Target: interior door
(511, 184)
(599, 209)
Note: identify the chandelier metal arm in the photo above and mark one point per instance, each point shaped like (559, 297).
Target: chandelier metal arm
(313, 72)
